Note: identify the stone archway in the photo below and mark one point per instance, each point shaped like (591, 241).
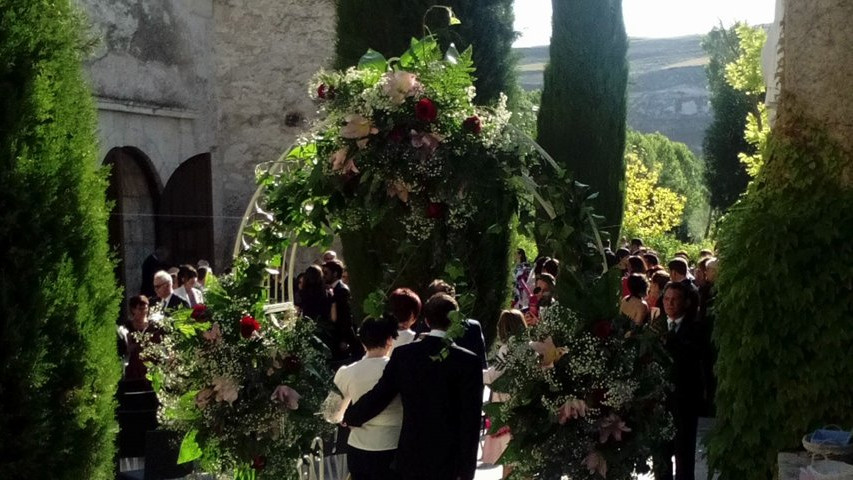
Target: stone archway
(135, 190)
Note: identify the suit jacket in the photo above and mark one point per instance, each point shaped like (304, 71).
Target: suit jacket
(175, 302)
(442, 401)
(474, 341)
(344, 328)
(683, 346)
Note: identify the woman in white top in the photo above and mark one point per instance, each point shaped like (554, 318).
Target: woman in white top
(187, 276)
(405, 306)
(510, 323)
(373, 445)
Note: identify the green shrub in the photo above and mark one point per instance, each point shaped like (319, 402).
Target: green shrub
(58, 298)
(784, 305)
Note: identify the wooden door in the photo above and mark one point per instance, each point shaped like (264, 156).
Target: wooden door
(185, 217)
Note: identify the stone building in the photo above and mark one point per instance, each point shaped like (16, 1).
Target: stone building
(191, 96)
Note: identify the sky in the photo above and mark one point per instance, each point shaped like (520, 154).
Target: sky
(650, 18)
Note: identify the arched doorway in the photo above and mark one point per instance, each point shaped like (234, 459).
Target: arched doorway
(135, 190)
(185, 216)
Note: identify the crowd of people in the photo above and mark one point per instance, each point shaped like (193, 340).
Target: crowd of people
(407, 416)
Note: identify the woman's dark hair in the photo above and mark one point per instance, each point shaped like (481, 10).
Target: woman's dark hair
(651, 259)
(186, 272)
(336, 267)
(313, 278)
(622, 253)
(636, 264)
(552, 266)
(375, 332)
(136, 301)
(638, 285)
(660, 278)
(440, 286)
(403, 303)
(521, 253)
(510, 323)
(540, 262)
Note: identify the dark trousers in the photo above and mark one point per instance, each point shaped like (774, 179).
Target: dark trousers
(683, 447)
(366, 465)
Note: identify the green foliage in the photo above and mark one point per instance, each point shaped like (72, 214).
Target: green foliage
(784, 305)
(582, 117)
(58, 364)
(679, 171)
(667, 245)
(649, 208)
(744, 74)
(486, 25)
(724, 141)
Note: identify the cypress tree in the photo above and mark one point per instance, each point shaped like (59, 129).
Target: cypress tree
(58, 298)
(487, 25)
(581, 119)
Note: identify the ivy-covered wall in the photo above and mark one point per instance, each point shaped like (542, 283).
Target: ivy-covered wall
(786, 284)
(58, 299)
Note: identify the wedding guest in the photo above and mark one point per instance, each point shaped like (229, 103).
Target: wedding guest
(655, 296)
(510, 324)
(472, 338)
(634, 304)
(635, 246)
(348, 346)
(135, 368)
(167, 300)
(521, 271)
(187, 277)
(373, 445)
(652, 263)
(329, 255)
(442, 400)
(405, 306)
(543, 296)
(706, 273)
(205, 272)
(679, 272)
(538, 264)
(173, 272)
(682, 344)
(315, 302)
(622, 255)
(636, 264)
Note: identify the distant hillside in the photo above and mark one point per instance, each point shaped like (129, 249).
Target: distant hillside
(667, 89)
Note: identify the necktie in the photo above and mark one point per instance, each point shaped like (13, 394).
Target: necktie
(672, 326)
(191, 297)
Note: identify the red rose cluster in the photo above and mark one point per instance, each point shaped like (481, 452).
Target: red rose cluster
(248, 326)
(472, 124)
(199, 312)
(426, 111)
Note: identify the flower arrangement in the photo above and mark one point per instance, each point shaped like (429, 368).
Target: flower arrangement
(409, 172)
(586, 399)
(243, 387)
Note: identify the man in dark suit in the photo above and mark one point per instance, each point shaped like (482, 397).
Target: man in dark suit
(472, 339)
(441, 388)
(167, 300)
(349, 346)
(682, 341)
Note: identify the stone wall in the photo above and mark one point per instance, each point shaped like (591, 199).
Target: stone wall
(818, 64)
(266, 52)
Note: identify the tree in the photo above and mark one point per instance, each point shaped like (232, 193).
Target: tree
(487, 25)
(724, 141)
(650, 210)
(58, 363)
(678, 170)
(581, 120)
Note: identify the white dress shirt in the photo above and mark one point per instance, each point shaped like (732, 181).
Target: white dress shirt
(381, 432)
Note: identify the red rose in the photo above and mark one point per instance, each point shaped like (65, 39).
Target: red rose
(325, 92)
(472, 124)
(425, 110)
(602, 329)
(259, 462)
(199, 311)
(248, 325)
(435, 210)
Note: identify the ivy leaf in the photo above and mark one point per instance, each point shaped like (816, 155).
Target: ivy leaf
(190, 450)
(374, 305)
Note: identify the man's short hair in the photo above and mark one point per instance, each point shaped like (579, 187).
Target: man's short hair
(440, 286)
(437, 310)
(375, 332)
(162, 276)
(336, 267)
(636, 264)
(705, 253)
(682, 254)
(683, 288)
(660, 278)
(678, 265)
(403, 303)
(202, 273)
(636, 241)
(136, 301)
(651, 259)
(186, 272)
(622, 253)
(548, 278)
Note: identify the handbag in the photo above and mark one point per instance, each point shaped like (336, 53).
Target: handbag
(317, 466)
